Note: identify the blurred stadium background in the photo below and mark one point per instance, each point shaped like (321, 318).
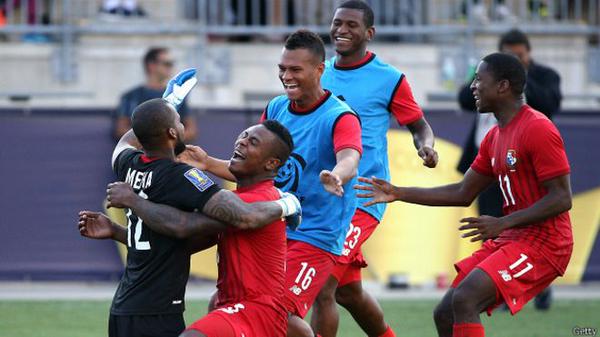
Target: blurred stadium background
(64, 64)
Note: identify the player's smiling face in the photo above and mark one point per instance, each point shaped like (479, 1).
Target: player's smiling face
(484, 88)
(299, 72)
(348, 31)
(251, 152)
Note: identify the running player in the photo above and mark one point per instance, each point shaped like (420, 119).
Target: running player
(376, 91)
(528, 247)
(150, 297)
(251, 262)
(320, 171)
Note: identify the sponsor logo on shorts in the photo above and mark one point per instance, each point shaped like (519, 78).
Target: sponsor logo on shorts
(505, 275)
(234, 309)
(177, 302)
(296, 290)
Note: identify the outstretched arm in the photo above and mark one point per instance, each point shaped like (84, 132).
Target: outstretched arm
(345, 169)
(459, 194)
(128, 141)
(224, 207)
(162, 219)
(424, 140)
(95, 225)
(196, 156)
(557, 200)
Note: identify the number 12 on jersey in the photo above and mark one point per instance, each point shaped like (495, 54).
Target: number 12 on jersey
(137, 229)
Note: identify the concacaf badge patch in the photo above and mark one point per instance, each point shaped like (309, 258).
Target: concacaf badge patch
(199, 179)
(511, 159)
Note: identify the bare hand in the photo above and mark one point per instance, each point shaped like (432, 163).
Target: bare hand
(483, 228)
(95, 225)
(331, 182)
(429, 156)
(379, 190)
(120, 195)
(194, 156)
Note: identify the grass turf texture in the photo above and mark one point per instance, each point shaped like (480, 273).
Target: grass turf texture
(409, 318)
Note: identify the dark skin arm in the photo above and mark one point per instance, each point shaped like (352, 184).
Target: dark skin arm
(201, 242)
(459, 194)
(556, 201)
(95, 225)
(164, 219)
(424, 140)
(224, 207)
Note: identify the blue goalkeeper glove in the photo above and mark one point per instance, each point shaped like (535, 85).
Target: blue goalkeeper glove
(291, 210)
(180, 86)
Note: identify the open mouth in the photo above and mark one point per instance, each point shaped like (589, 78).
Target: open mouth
(290, 86)
(342, 39)
(238, 155)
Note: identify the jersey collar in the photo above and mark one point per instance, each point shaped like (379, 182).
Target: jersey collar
(366, 59)
(298, 111)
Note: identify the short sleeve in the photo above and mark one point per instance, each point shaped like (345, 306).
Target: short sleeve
(347, 133)
(191, 187)
(123, 160)
(483, 162)
(403, 105)
(546, 148)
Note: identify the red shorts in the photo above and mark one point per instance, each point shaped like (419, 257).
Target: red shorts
(348, 265)
(245, 319)
(518, 271)
(307, 270)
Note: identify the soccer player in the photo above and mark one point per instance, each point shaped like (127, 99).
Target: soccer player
(376, 91)
(528, 247)
(251, 262)
(320, 171)
(150, 297)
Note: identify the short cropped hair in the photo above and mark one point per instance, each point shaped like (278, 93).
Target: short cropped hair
(151, 55)
(305, 39)
(368, 16)
(512, 37)
(150, 120)
(507, 67)
(283, 134)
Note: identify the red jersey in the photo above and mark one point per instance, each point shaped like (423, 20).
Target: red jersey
(521, 155)
(252, 262)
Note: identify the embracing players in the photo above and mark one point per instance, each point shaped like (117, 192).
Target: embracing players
(530, 246)
(150, 298)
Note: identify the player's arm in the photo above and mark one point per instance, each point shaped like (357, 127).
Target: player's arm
(162, 219)
(459, 194)
(405, 109)
(96, 225)
(128, 141)
(556, 201)
(424, 141)
(196, 156)
(224, 207)
(347, 145)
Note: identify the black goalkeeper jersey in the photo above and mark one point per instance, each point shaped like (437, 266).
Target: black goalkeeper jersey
(157, 266)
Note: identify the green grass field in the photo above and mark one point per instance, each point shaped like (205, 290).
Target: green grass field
(409, 318)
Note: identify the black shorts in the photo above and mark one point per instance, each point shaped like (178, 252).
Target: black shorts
(145, 325)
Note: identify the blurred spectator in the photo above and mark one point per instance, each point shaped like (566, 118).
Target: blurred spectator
(158, 66)
(542, 93)
(127, 8)
(480, 14)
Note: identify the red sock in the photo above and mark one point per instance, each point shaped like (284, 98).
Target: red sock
(388, 332)
(468, 330)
